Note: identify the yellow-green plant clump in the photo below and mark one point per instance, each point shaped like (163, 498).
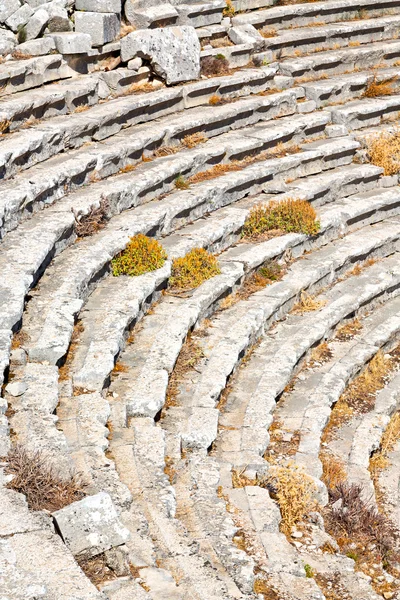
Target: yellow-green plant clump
(384, 151)
(291, 215)
(193, 269)
(142, 254)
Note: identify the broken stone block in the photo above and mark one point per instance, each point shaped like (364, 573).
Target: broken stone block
(91, 526)
(102, 27)
(19, 18)
(58, 18)
(7, 8)
(38, 47)
(143, 18)
(71, 42)
(100, 6)
(174, 52)
(36, 24)
(8, 41)
(246, 34)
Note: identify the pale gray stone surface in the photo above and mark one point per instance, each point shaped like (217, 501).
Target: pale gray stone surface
(246, 34)
(58, 18)
(101, 26)
(174, 52)
(19, 18)
(8, 41)
(101, 6)
(7, 8)
(91, 525)
(37, 47)
(36, 24)
(72, 42)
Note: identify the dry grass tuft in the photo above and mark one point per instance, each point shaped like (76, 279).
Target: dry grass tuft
(391, 435)
(334, 471)
(307, 303)
(96, 569)
(354, 521)
(321, 354)
(214, 65)
(21, 338)
(125, 29)
(142, 87)
(94, 221)
(142, 254)
(36, 477)
(291, 215)
(5, 126)
(294, 494)
(190, 355)
(270, 272)
(381, 88)
(215, 99)
(82, 108)
(190, 271)
(384, 151)
(348, 330)
(229, 10)
(193, 140)
(240, 480)
(268, 32)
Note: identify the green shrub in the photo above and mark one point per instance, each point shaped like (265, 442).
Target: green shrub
(191, 270)
(289, 215)
(141, 255)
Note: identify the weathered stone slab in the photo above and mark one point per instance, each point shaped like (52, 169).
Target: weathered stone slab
(102, 27)
(72, 42)
(100, 6)
(174, 52)
(7, 8)
(36, 24)
(91, 526)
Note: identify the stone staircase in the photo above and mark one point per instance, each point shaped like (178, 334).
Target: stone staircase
(181, 407)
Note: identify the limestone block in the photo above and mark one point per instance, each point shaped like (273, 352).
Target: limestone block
(8, 41)
(38, 47)
(19, 18)
(100, 6)
(102, 27)
(174, 51)
(71, 42)
(246, 34)
(91, 526)
(58, 18)
(36, 24)
(145, 17)
(7, 8)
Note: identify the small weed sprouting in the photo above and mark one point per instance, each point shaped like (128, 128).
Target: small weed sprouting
(271, 270)
(334, 472)
(21, 34)
(379, 88)
(190, 271)
(181, 183)
(214, 65)
(288, 216)
(384, 151)
(35, 476)
(294, 493)
(309, 571)
(94, 221)
(353, 555)
(5, 126)
(229, 10)
(142, 254)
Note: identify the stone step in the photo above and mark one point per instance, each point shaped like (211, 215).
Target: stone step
(64, 97)
(64, 133)
(309, 413)
(200, 13)
(388, 482)
(299, 14)
(332, 37)
(49, 101)
(366, 113)
(150, 372)
(213, 376)
(44, 184)
(95, 253)
(348, 87)
(21, 75)
(336, 62)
